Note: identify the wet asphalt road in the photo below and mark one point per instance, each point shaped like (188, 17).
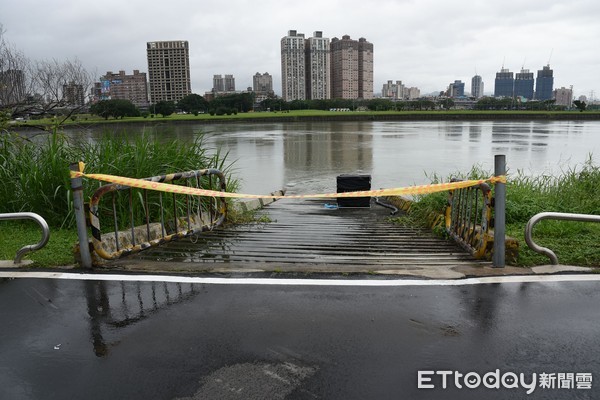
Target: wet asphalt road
(75, 339)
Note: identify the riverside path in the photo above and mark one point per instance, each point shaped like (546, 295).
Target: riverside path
(103, 336)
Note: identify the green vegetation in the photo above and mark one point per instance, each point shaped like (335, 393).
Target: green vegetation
(58, 250)
(580, 105)
(35, 176)
(224, 114)
(193, 104)
(164, 108)
(115, 109)
(574, 191)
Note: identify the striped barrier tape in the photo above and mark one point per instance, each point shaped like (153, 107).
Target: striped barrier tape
(170, 188)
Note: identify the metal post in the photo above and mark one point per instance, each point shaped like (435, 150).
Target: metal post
(77, 188)
(499, 213)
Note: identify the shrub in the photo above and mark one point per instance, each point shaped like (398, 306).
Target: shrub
(36, 175)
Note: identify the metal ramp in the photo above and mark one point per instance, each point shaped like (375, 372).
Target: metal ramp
(305, 236)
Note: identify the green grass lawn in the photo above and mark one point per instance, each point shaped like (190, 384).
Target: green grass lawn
(82, 119)
(574, 243)
(58, 252)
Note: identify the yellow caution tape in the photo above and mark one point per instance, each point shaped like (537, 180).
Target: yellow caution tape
(170, 188)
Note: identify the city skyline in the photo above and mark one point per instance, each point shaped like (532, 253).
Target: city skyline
(423, 47)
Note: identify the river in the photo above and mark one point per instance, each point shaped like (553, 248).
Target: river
(306, 157)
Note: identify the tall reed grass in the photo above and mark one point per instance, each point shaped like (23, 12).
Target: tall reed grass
(34, 176)
(575, 190)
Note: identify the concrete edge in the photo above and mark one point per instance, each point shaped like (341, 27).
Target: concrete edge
(245, 205)
(555, 269)
(11, 263)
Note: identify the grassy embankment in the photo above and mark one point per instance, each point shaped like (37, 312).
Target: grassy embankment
(35, 178)
(24, 170)
(576, 190)
(83, 119)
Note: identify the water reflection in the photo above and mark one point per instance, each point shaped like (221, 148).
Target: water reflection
(307, 156)
(453, 131)
(475, 132)
(111, 307)
(484, 305)
(327, 149)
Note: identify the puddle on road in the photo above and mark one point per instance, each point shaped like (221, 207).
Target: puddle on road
(253, 381)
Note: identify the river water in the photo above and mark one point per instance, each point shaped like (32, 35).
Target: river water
(306, 157)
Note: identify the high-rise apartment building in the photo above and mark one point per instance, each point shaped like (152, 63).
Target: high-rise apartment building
(456, 89)
(229, 83)
(394, 91)
(305, 66)
(293, 66)
(223, 84)
(351, 68)
(477, 86)
(315, 68)
(365, 69)
(73, 94)
(262, 82)
(168, 70)
(524, 84)
(318, 56)
(218, 83)
(504, 83)
(262, 86)
(121, 86)
(412, 93)
(544, 83)
(563, 96)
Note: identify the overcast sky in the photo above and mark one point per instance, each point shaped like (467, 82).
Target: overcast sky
(423, 43)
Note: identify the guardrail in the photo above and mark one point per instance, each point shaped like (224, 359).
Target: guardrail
(553, 215)
(178, 215)
(468, 218)
(41, 222)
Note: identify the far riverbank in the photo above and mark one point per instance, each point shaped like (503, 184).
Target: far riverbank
(327, 116)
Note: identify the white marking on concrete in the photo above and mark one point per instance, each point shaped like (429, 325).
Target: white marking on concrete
(553, 269)
(301, 282)
(11, 263)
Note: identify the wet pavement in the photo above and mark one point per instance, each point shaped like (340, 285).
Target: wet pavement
(141, 337)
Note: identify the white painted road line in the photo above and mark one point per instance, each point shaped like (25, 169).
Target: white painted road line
(300, 282)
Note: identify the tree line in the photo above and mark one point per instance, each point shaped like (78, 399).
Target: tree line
(37, 87)
(190, 104)
(244, 102)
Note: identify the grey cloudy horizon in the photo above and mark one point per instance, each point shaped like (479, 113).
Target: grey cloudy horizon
(426, 44)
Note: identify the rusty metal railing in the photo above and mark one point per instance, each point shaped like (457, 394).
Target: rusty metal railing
(140, 218)
(468, 218)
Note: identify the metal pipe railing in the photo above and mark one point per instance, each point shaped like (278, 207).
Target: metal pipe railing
(41, 222)
(468, 216)
(188, 216)
(553, 215)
